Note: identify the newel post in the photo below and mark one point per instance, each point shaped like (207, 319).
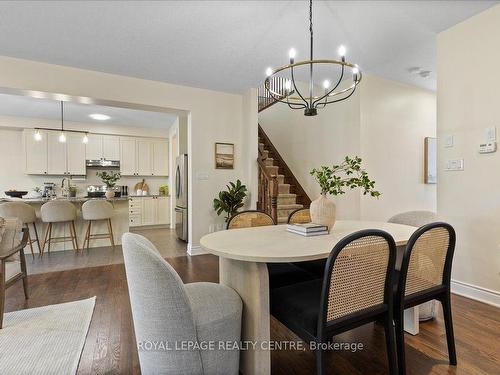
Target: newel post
(274, 198)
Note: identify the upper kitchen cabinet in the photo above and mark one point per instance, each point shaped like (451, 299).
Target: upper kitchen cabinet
(143, 156)
(111, 147)
(47, 155)
(56, 156)
(128, 157)
(160, 157)
(36, 152)
(75, 154)
(103, 147)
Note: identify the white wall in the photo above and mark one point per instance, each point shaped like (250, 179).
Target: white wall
(250, 150)
(213, 116)
(395, 119)
(468, 102)
(367, 125)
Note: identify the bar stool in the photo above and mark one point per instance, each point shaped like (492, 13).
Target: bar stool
(94, 210)
(24, 213)
(62, 212)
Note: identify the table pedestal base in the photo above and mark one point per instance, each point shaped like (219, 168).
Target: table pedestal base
(251, 281)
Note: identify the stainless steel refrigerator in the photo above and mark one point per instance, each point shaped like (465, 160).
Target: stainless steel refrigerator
(181, 197)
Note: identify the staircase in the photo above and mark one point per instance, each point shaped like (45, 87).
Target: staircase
(279, 191)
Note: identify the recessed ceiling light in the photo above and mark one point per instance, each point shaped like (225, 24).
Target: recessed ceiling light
(99, 117)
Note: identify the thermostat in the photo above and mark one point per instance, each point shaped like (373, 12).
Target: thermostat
(486, 148)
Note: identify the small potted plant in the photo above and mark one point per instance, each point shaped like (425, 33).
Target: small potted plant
(230, 200)
(72, 189)
(334, 180)
(163, 190)
(109, 179)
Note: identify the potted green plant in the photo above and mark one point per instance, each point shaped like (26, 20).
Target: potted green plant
(335, 180)
(109, 179)
(230, 200)
(163, 190)
(72, 189)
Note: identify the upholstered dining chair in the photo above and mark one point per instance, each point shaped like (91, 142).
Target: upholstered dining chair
(299, 216)
(98, 210)
(179, 316)
(12, 259)
(356, 289)
(280, 274)
(426, 275)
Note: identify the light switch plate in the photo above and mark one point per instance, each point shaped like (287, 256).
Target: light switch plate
(202, 176)
(448, 140)
(490, 134)
(454, 165)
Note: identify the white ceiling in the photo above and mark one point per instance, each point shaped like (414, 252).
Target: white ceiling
(226, 45)
(23, 106)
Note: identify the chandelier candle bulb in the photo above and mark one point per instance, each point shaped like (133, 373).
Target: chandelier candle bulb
(85, 139)
(326, 84)
(269, 71)
(291, 55)
(342, 51)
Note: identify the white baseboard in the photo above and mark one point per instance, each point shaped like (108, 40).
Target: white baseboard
(491, 297)
(195, 250)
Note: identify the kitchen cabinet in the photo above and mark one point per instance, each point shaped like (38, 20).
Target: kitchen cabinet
(128, 157)
(94, 147)
(103, 147)
(111, 147)
(149, 210)
(163, 210)
(49, 156)
(143, 156)
(160, 157)
(35, 152)
(56, 154)
(75, 154)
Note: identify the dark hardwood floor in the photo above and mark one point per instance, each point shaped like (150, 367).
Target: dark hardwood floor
(110, 345)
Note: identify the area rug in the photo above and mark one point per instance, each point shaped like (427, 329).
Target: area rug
(45, 340)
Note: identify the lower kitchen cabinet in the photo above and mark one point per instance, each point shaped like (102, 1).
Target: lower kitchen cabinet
(149, 211)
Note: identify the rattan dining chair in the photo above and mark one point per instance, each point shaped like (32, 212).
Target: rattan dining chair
(299, 216)
(249, 218)
(356, 289)
(426, 275)
(316, 267)
(280, 274)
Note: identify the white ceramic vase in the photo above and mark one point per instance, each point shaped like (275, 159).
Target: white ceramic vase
(323, 211)
(110, 193)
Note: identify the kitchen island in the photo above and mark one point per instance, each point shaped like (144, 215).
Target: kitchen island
(120, 221)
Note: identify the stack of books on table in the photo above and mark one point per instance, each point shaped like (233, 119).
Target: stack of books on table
(308, 230)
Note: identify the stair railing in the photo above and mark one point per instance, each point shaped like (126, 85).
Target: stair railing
(277, 84)
(268, 189)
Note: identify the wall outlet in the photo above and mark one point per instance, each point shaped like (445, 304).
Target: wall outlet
(454, 165)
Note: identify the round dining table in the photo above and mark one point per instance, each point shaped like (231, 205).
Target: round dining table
(243, 255)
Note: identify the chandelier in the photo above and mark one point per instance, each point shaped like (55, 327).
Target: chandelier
(281, 85)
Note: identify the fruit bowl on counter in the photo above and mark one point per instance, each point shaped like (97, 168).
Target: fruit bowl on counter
(15, 193)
